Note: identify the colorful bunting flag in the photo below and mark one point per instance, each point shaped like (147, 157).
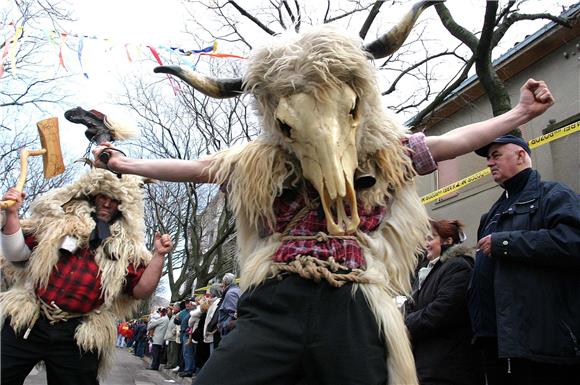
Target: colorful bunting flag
(80, 52)
(63, 36)
(13, 48)
(174, 86)
(185, 55)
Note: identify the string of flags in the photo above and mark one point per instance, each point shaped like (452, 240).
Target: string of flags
(60, 39)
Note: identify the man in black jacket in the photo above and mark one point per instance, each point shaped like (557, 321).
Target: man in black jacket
(524, 297)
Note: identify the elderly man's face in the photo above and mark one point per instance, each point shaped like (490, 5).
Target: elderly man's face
(106, 208)
(505, 161)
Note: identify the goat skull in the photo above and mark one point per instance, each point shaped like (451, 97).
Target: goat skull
(322, 134)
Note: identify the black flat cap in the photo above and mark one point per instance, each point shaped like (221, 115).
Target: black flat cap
(483, 151)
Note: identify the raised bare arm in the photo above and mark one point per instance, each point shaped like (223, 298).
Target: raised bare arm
(171, 170)
(535, 99)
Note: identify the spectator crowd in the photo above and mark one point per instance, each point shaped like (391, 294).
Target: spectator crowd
(182, 336)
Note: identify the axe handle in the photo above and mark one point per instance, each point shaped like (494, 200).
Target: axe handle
(24, 154)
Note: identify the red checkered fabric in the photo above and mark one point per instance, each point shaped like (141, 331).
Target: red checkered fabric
(345, 251)
(75, 284)
(423, 162)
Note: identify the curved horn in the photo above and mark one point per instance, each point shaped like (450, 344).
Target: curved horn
(394, 39)
(215, 88)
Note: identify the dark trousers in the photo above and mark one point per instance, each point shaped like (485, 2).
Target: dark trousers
(163, 355)
(139, 348)
(294, 330)
(520, 371)
(54, 344)
(155, 356)
(172, 354)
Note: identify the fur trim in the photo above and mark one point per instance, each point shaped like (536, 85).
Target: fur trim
(458, 250)
(400, 361)
(120, 130)
(97, 333)
(20, 304)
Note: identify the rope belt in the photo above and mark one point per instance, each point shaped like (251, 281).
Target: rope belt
(52, 313)
(319, 237)
(309, 267)
(55, 314)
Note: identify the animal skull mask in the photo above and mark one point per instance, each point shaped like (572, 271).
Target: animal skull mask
(322, 134)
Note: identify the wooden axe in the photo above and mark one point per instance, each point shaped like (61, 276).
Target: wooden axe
(50, 151)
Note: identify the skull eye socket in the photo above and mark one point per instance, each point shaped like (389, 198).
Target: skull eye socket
(354, 109)
(285, 128)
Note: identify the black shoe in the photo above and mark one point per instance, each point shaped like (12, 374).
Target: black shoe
(185, 374)
(149, 368)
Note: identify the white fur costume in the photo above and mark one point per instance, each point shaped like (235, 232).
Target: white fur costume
(67, 211)
(316, 71)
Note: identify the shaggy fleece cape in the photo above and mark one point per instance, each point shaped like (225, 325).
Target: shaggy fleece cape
(255, 174)
(67, 211)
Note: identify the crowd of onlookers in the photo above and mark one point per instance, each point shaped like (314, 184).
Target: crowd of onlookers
(182, 336)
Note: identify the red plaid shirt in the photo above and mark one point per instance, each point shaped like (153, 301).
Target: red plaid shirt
(75, 283)
(345, 251)
(423, 162)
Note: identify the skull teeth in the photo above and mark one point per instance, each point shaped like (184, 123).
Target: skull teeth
(343, 223)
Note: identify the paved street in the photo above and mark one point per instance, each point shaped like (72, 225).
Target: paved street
(128, 370)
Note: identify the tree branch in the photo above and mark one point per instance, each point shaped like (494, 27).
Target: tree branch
(460, 33)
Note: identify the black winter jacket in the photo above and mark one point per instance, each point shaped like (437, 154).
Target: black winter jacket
(536, 245)
(438, 322)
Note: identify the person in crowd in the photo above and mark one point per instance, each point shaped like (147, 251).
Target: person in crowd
(188, 367)
(229, 306)
(437, 316)
(523, 297)
(192, 323)
(197, 335)
(140, 339)
(170, 339)
(211, 335)
(77, 263)
(163, 355)
(158, 326)
(122, 328)
(130, 334)
(180, 361)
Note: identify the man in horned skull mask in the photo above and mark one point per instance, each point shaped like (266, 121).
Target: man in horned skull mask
(78, 263)
(323, 249)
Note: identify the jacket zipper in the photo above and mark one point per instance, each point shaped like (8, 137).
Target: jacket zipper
(509, 366)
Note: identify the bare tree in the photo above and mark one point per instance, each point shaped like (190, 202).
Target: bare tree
(497, 21)
(435, 67)
(27, 82)
(186, 127)
(30, 87)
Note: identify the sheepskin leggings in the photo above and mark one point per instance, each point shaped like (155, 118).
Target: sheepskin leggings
(55, 345)
(295, 331)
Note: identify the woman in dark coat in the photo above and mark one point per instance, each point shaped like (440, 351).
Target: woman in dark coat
(437, 316)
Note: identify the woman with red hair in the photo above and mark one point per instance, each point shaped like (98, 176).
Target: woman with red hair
(437, 316)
